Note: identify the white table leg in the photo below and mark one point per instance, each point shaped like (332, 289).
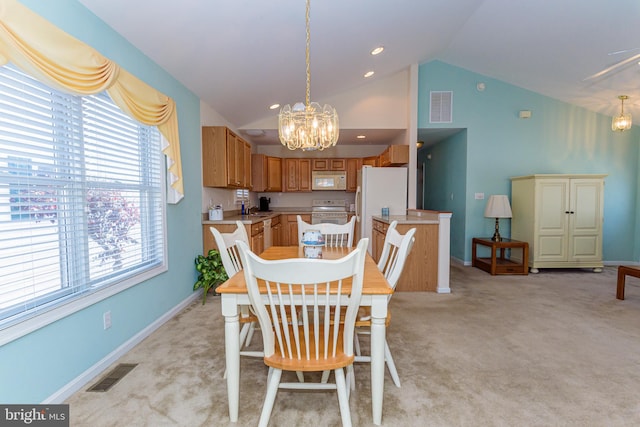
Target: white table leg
(378, 330)
(232, 352)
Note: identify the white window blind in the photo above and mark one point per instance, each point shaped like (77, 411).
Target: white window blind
(81, 196)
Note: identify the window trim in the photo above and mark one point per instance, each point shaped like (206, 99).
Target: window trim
(28, 323)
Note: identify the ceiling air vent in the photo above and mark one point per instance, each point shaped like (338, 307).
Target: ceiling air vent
(440, 107)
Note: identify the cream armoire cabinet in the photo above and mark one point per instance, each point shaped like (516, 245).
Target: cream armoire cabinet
(561, 218)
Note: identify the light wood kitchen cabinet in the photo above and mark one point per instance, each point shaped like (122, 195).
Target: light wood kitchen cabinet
(353, 166)
(379, 232)
(248, 181)
(329, 164)
(226, 158)
(420, 272)
(208, 242)
(297, 175)
(276, 231)
(561, 217)
(257, 237)
(394, 155)
(266, 173)
(370, 161)
(290, 228)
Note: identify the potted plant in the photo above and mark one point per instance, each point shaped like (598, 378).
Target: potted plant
(212, 272)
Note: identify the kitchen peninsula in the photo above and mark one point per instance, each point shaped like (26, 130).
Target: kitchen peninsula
(428, 264)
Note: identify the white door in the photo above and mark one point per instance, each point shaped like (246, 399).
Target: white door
(585, 224)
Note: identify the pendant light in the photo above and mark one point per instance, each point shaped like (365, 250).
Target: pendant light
(623, 121)
(308, 126)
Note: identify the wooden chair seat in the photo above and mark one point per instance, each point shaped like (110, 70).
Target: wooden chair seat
(307, 362)
(364, 317)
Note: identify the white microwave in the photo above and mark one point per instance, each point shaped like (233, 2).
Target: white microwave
(328, 180)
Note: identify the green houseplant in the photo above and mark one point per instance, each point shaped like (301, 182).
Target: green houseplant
(212, 272)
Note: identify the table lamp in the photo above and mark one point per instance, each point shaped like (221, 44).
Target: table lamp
(497, 207)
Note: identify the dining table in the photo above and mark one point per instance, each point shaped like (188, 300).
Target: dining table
(375, 294)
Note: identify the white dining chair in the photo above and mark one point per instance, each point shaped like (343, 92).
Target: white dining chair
(232, 263)
(321, 337)
(395, 252)
(335, 235)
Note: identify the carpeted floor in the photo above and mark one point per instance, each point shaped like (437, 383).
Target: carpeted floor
(552, 349)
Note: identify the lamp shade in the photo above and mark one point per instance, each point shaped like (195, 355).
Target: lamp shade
(498, 207)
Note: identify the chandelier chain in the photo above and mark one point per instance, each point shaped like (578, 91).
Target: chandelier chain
(308, 126)
(308, 96)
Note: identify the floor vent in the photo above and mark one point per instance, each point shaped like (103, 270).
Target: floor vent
(113, 377)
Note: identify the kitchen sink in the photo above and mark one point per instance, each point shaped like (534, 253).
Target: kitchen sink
(260, 214)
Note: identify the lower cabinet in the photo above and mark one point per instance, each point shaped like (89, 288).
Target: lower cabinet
(255, 233)
(290, 228)
(378, 234)
(421, 270)
(257, 237)
(276, 231)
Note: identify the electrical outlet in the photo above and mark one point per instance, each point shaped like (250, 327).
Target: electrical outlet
(479, 196)
(106, 319)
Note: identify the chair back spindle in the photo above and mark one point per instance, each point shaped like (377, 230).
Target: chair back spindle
(335, 235)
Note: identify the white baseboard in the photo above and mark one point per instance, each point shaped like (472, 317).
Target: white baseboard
(459, 261)
(80, 381)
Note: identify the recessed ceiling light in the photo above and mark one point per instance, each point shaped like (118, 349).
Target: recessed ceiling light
(377, 50)
(361, 137)
(274, 106)
(368, 74)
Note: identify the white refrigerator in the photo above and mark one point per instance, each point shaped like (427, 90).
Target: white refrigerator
(379, 188)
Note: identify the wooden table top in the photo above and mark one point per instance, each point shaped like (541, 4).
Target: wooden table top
(374, 282)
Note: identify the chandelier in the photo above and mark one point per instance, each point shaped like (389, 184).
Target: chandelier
(308, 126)
(623, 121)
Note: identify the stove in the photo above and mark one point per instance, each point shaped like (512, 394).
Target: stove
(331, 211)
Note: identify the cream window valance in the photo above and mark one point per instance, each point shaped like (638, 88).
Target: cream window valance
(54, 57)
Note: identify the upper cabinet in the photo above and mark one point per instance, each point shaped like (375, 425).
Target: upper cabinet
(371, 161)
(329, 164)
(266, 173)
(274, 174)
(226, 158)
(353, 166)
(297, 175)
(394, 155)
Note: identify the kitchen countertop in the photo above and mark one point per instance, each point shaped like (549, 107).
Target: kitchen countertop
(257, 217)
(414, 216)
(406, 219)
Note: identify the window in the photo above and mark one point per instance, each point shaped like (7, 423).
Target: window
(241, 194)
(81, 197)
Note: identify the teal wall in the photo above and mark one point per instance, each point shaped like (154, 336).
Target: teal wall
(558, 138)
(36, 366)
(446, 184)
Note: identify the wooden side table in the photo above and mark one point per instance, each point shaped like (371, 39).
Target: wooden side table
(623, 272)
(499, 264)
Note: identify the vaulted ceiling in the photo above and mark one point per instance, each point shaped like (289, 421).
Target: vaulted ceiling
(240, 56)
